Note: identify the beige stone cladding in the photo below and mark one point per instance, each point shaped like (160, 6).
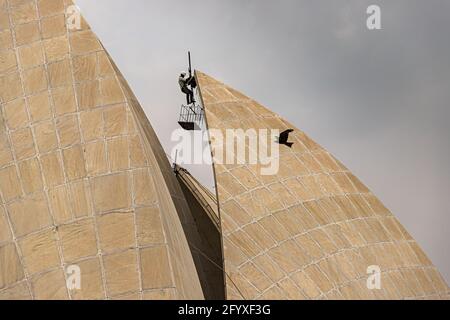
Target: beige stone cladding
(311, 230)
(80, 183)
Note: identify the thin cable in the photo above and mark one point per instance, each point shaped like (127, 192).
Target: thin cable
(219, 267)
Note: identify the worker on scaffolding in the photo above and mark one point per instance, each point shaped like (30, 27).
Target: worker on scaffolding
(187, 84)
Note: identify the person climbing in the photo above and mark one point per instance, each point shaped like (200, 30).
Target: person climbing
(184, 83)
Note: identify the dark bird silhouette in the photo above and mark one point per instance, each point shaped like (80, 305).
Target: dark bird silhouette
(284, 136)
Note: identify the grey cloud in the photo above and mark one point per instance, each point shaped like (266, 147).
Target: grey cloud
(378, 100)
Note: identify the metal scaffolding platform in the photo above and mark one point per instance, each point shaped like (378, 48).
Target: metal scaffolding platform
(191, 117)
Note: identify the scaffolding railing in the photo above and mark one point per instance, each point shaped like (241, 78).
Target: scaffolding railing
(191, 117)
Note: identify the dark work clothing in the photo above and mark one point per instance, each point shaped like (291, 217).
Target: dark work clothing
(184, 86)
(189, 94)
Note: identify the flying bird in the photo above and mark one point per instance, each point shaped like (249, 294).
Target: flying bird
(284, 136)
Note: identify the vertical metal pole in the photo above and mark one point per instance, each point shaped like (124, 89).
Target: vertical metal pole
(190, 66)
(175, 162)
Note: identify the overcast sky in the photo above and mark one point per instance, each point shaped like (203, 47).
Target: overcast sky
(378, 100)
